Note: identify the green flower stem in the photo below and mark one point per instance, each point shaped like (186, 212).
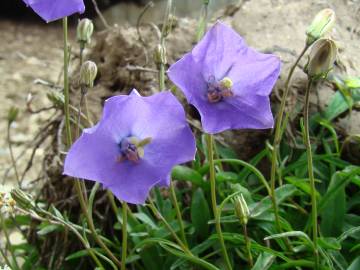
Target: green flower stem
(210, 145)
(169, 228)
(311, 173)
(277, 140)
(66, 83)
(178, 212)
(124, 236)
(248, 246)
(6, 233)
(162, 77)
(77, 183)
(13, 161)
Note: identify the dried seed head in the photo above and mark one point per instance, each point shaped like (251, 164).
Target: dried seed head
(84, 31)
(322, 24)
(321, 58)
(88, 74)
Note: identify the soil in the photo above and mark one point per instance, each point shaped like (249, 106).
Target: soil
(31, 53)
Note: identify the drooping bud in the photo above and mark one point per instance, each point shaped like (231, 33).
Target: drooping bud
(160, 55)
(322, 24)
(12, 115)
(241, 209)
(84, 31)
(321, 58)
(88, 74)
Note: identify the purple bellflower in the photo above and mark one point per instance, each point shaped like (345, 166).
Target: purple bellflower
(134, 146)
(51, 10)
(228, 82)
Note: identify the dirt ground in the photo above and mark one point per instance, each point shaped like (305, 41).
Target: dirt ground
(31, 55)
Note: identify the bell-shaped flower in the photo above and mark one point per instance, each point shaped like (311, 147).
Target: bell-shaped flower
(52, 10)
(228, 82)
(134, 146)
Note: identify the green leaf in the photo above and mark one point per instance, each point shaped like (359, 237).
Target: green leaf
(200, 213)
(302, 184)
(264, 261)
(355, 265)
(298, 234)
(281, 193)
(49, 229)
(340, 180)
(329, 243)
(187, 174)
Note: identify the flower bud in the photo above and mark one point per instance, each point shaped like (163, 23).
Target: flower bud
(322, 24)
(321, 58)
(84, 31)
(56, 98)
(160, 55)
(88, 74)
(23, 199)
(12, 115)
(241, 209)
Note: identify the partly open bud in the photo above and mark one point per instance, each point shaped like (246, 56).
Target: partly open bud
(322, 24)
(241, 209)
(88, 74)
(84, 31)
(321, 58)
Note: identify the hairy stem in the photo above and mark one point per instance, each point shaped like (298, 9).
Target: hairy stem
(311, 173)
(210, 143)
(124, 236)
(277, 140)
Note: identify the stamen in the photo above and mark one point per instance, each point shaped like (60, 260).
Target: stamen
(132, 149)
(219, 90)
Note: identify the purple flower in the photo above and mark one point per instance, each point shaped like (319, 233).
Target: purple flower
(228, 82)
(51, 10)
(134, 146)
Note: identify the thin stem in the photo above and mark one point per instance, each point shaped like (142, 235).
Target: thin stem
(91, 224)
(81, 54)
(178, 212)
(5, 257)
(162, 76)
(248, 246)
(12, 154)
(277, 140)
(191, 257)
(210, 143)
(6, 233)
(311, 173)
(124, 236)
(69, 142)
(169, 228)
(66, 83)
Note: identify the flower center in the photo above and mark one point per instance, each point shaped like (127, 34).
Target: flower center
(218, 90)
(132, 149)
